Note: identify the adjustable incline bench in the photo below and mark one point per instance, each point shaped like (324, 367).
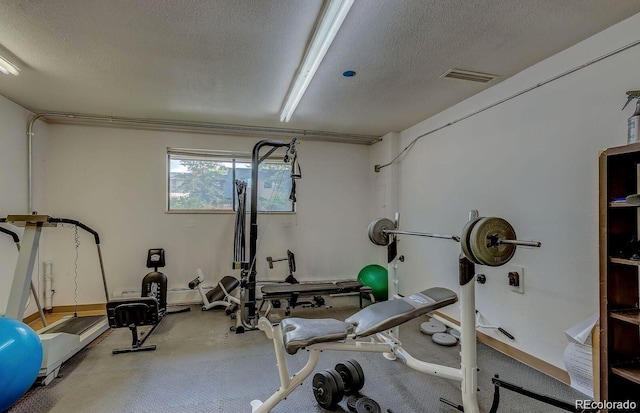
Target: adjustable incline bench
(487, 241)
(317, 335)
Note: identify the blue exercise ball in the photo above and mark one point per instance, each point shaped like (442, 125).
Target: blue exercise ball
(20, 360)
(376, 277)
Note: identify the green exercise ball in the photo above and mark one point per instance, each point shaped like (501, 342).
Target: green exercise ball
(376, 277)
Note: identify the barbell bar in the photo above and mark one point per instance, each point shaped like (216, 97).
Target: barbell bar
(422, 234)
(519, 243)
(487, 241)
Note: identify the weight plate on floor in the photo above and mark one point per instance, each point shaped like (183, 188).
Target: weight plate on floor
(432, 327)
(351, 402)
(352, 378)
(465, 240)
(327, 389)
(377, 228)
(484, 241)
(367, 405)
(444, 339)
(454, 333)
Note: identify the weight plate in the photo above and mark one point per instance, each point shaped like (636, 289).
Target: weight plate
(455, 333)
(432, 327)
(352, 377)
(326, 389)
(444, 339)
(367, 405)
(376, 230)
(351, 402)
(483, 241)
(465, 240)
(338, 380)
(360, 372)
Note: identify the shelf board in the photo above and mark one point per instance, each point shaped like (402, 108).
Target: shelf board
(624, 261)
(630, 316)
(629, 373)
(622, 205)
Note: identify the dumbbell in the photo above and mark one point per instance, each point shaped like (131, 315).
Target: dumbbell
(330, 386)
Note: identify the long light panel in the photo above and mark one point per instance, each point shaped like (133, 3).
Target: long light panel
(7, 67)
(329, 25)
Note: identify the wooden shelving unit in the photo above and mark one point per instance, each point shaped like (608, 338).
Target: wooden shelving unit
(619, 275)
(629, 316)
(632, 374)
(624, 261)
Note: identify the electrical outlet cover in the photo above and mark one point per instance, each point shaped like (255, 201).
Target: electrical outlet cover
(520, 271)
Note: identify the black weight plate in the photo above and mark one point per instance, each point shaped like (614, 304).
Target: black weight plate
(487, 252)
(360, 373)
(326, 390)
(465, 240)
(376, 230)
(351, 402)
(338, 380)
(367, 405)
(351, 379)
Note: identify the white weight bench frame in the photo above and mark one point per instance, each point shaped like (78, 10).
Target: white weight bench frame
(385, 342)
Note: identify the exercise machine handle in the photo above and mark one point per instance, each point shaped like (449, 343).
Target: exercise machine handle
(97, 238)
(13, 235)
(78, 223)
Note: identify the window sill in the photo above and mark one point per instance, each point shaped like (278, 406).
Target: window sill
(197, 211)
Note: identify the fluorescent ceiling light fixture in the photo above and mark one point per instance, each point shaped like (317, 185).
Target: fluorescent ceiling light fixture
(7, 67)
(332, 18)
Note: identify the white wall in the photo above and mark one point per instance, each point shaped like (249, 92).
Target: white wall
(114, 180)
(534, 162)
(14, 186)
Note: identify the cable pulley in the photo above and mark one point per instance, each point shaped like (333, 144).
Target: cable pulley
(485, 240)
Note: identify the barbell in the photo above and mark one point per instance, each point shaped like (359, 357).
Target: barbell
(485, 240)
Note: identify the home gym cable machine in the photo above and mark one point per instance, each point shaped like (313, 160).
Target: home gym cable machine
(248, 310)
(248, 307)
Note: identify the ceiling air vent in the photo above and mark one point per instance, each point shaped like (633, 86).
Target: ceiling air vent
(470, 76)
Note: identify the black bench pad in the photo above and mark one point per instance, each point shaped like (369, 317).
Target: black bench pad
(228, 282)
(303, 332)
(140, 311)
(387, 314)
(275, 291)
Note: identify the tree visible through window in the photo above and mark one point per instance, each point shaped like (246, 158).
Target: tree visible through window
(203, 183)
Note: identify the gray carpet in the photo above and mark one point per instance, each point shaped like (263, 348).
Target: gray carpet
(199, 366)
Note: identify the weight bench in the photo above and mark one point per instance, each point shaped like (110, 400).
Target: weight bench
(134, 313)
(292, 293)
(374, 322)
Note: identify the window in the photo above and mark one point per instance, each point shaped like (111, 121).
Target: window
(201, 181)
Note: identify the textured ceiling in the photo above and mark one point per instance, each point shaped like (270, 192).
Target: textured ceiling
(232, 61)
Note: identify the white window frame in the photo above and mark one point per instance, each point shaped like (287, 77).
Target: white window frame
(214, 155)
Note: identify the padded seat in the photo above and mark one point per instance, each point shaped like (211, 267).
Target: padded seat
(303, 332)
(140, 311)
(388, 314)
(217, 294)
